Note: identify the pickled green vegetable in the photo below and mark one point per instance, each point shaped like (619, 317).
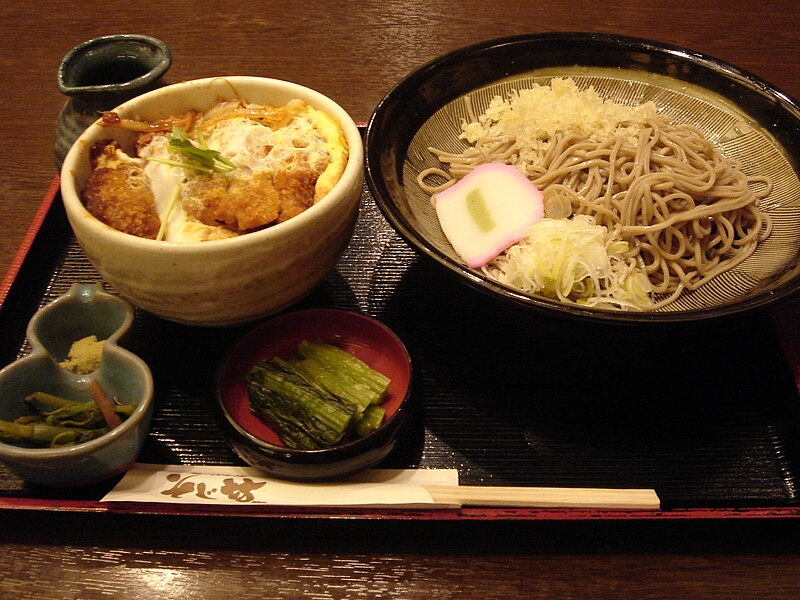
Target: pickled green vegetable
(55, 421)
(341, 373)
(318, 398)
(67, 413)
(369, 420)
(305, 416)
(44, 435)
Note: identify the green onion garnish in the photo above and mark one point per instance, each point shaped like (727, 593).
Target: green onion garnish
(162, 231)
(198, 157)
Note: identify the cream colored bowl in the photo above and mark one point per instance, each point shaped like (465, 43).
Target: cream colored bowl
(229, 281)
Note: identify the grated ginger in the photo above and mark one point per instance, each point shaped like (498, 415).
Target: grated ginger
(84, 355)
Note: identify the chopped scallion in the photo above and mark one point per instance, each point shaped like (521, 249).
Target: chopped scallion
(162, 230)
(197, 157)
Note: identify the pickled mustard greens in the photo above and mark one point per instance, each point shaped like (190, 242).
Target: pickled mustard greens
(56, 421)
(368, 421)
(318, 398)
(341, 374)
(306, 416)
(45, 436)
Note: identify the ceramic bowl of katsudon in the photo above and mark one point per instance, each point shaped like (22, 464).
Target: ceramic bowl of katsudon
(217, 201)
(592, 176)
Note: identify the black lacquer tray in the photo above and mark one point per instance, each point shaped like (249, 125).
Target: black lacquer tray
(706, 413)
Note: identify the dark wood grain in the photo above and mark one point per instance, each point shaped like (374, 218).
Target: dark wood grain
(62, 555)
(355, 51)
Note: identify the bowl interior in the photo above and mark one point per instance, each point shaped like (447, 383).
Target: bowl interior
(362, 336)
(201, 95)
(746, 118)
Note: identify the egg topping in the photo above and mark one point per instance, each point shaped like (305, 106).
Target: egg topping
(280, 161)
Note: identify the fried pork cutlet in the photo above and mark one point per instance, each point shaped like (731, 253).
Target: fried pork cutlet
(119, 194)
(278, 169)
(246, 204)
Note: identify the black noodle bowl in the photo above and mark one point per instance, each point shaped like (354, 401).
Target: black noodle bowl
(746, 118)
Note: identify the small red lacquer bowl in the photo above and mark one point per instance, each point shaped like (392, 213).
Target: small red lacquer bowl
(257, 444)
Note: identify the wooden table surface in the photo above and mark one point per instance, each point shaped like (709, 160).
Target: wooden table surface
(355, 51)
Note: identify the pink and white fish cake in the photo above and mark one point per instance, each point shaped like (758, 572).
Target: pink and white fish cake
(488, 211)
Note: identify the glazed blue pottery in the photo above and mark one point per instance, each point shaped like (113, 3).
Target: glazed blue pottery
(86, 310)
(102, 73)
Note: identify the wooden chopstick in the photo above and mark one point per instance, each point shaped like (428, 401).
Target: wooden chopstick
(543, 497)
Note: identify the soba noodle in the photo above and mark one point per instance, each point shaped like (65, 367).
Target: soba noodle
(687, 212)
